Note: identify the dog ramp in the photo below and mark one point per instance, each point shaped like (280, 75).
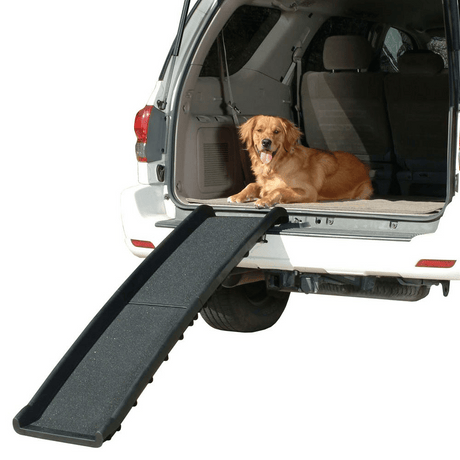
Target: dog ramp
(93, 387)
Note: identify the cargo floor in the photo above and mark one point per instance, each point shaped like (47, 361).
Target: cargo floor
(393, 206)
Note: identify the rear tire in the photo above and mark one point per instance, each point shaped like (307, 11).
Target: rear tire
(245, 308)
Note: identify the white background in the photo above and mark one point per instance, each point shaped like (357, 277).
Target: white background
(334, 379)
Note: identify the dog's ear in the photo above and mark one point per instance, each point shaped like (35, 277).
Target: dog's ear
(246, 132)
(291, 134)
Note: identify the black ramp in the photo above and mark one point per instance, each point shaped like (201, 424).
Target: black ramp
(91, 390)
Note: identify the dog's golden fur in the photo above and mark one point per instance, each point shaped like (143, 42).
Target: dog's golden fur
(287, 172)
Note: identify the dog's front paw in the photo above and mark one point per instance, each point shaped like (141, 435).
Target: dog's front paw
(235, 199)
(264, 203)
(238, 198)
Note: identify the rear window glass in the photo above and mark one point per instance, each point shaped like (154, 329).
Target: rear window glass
(243, 34)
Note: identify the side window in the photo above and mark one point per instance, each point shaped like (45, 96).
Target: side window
(313, 57)
(439, 46)
(396, 43)
(243, 34)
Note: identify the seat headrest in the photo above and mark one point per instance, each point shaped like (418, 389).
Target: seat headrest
(347, 52)
(420, 62)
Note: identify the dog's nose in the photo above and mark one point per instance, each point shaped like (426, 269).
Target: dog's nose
(266, 143)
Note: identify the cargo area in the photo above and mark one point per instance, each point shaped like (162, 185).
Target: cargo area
(352, 77)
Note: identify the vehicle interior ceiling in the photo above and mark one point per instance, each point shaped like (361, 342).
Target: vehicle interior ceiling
(392, 111)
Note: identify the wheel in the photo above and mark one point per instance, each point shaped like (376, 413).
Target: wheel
(245, 308)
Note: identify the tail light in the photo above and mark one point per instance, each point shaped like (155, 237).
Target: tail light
(141, 128)
(141, 123)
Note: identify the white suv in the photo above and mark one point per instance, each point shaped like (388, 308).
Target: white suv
(395, 107)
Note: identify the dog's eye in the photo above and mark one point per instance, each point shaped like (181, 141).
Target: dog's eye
(276, 131)
(259, 130)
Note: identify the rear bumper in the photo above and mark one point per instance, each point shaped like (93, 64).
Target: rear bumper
(144, 206)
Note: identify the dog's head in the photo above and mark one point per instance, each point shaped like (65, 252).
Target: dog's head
(268, 137)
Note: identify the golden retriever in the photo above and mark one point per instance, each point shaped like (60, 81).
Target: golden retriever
(287, 172)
